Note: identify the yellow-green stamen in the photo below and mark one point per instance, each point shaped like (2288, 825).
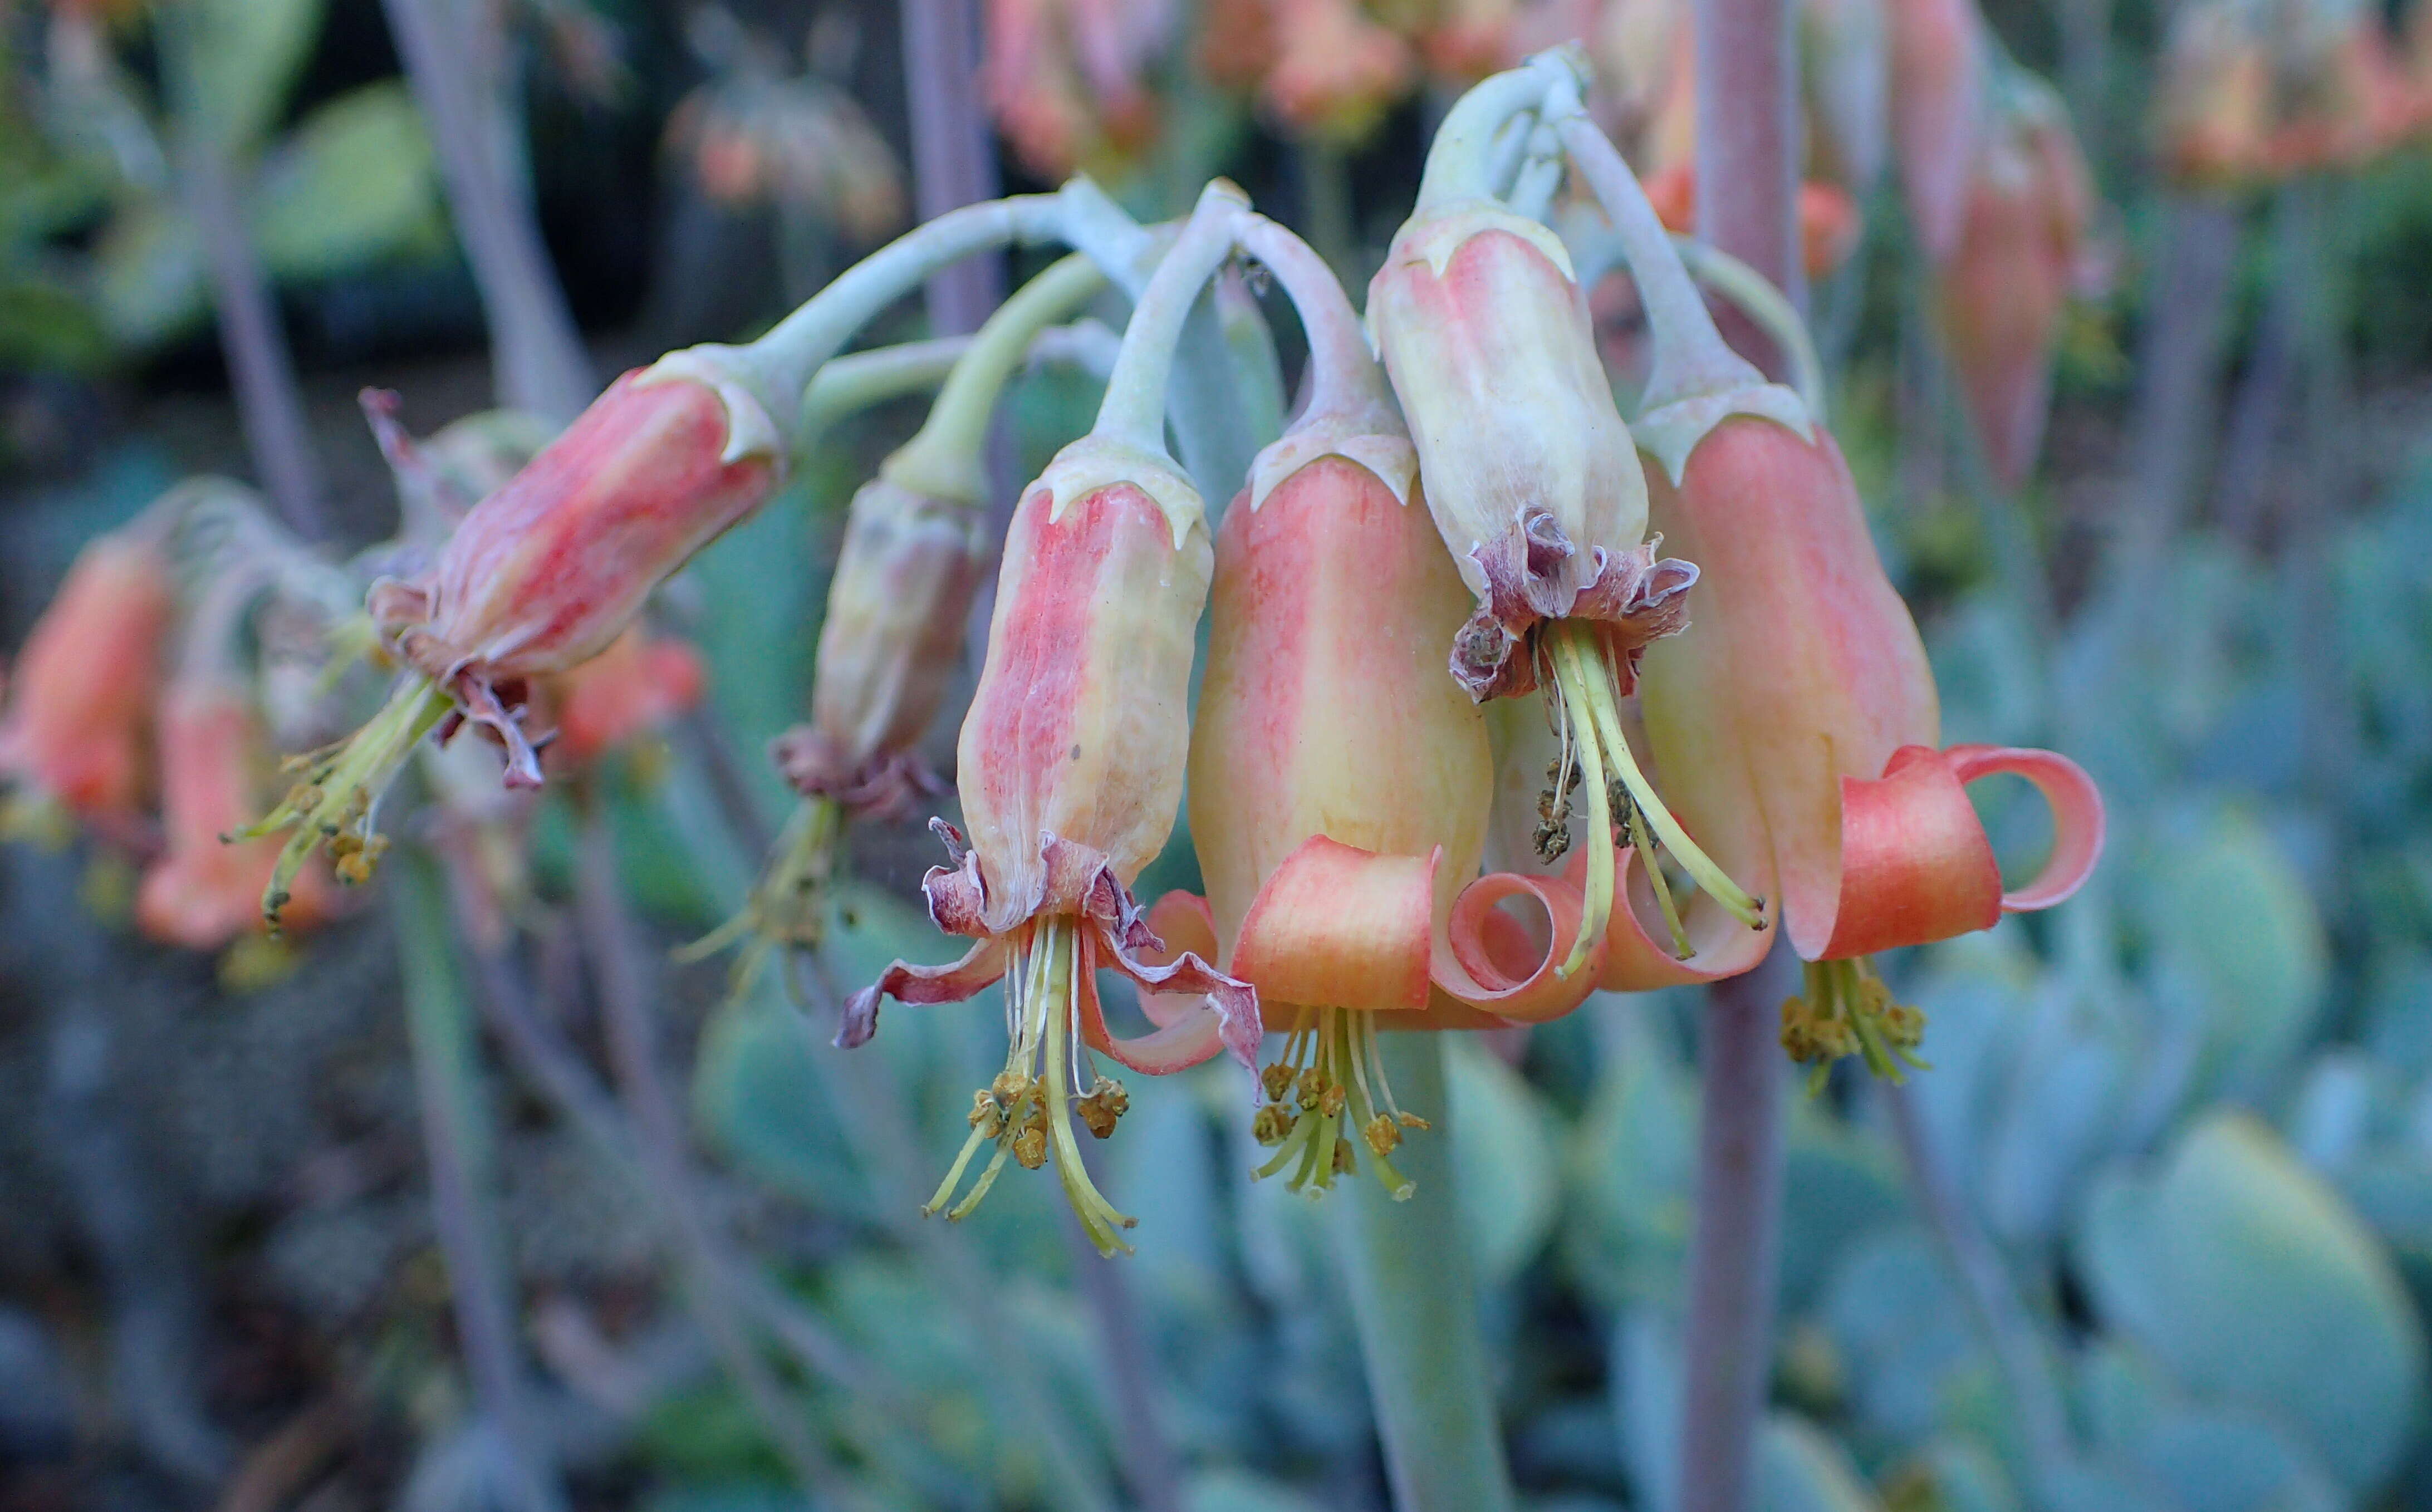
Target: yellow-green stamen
(1028, 1111)
(1585, 686)
(336, 801)
(1318, 1093)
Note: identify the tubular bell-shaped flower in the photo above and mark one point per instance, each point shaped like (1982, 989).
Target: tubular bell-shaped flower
(1339, 866)
(1794, 722)
(79, 713)
(547, 572)
(204, 893)
(1071, 768)
(2019, 259)
(1533, 480)
(915, 551)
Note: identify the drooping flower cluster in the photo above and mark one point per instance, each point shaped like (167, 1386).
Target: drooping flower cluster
(131, 713)
(1341, 774)
(1740, 730)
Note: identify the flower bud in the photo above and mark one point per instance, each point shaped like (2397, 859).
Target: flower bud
(1937, 98)
(1080, 725)
(205, 892)
(902, 595)
(543, 573)
(1338, 71)
(1531, 472)
(2010, 278)
(80, 703)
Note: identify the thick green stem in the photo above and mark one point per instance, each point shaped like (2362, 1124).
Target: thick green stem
(1462, 162)
(778, 366)
(1690, 359)
(1134, 408)
(945, 459)
(1416, 1302)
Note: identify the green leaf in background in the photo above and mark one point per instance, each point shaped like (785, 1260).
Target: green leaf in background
(1503, 1157)
(2255, 1286)
(2227, 1461)
(2232, 923)
(45, 328)
(1963, 1477)
(1238, 1490)
(239, 58)
(148, 273)
(1800, 1468)
(1632, 1161)
(351, 184)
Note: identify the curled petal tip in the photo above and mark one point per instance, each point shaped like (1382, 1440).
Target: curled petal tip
(860, 1020)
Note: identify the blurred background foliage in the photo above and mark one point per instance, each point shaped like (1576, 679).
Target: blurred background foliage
(2188, 1118)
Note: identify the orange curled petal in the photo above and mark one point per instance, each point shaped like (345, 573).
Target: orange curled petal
(1915, 863)
(1637, 960)
(914, 985)
(1336, 926)
(1225, 1018)
(2078, 820)
(1185, 925)
(1484, 961)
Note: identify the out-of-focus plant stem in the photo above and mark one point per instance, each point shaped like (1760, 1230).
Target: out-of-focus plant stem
(455, 60)
(1416, 1304)
(2011, 1334)
(953, 161)
(1735, 1248)
(558, 1070)
(456, 1141)
(261, 373)
(622, 977)
(1149, 1463)
(713, 807)
(1748, 195)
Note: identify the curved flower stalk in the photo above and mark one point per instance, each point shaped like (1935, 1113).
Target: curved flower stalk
(547, 572)
(1071, 765)
(1828, 223)
(1342, 872)
(1533, 482)
(1796, 720)
(78, 729)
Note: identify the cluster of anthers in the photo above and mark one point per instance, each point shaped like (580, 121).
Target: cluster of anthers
(1846, 1010)
(335, 800)
(1321, 1087)
(1024, 1112)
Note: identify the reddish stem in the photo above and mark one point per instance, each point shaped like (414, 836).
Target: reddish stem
(953, 161)
(1748, 149)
